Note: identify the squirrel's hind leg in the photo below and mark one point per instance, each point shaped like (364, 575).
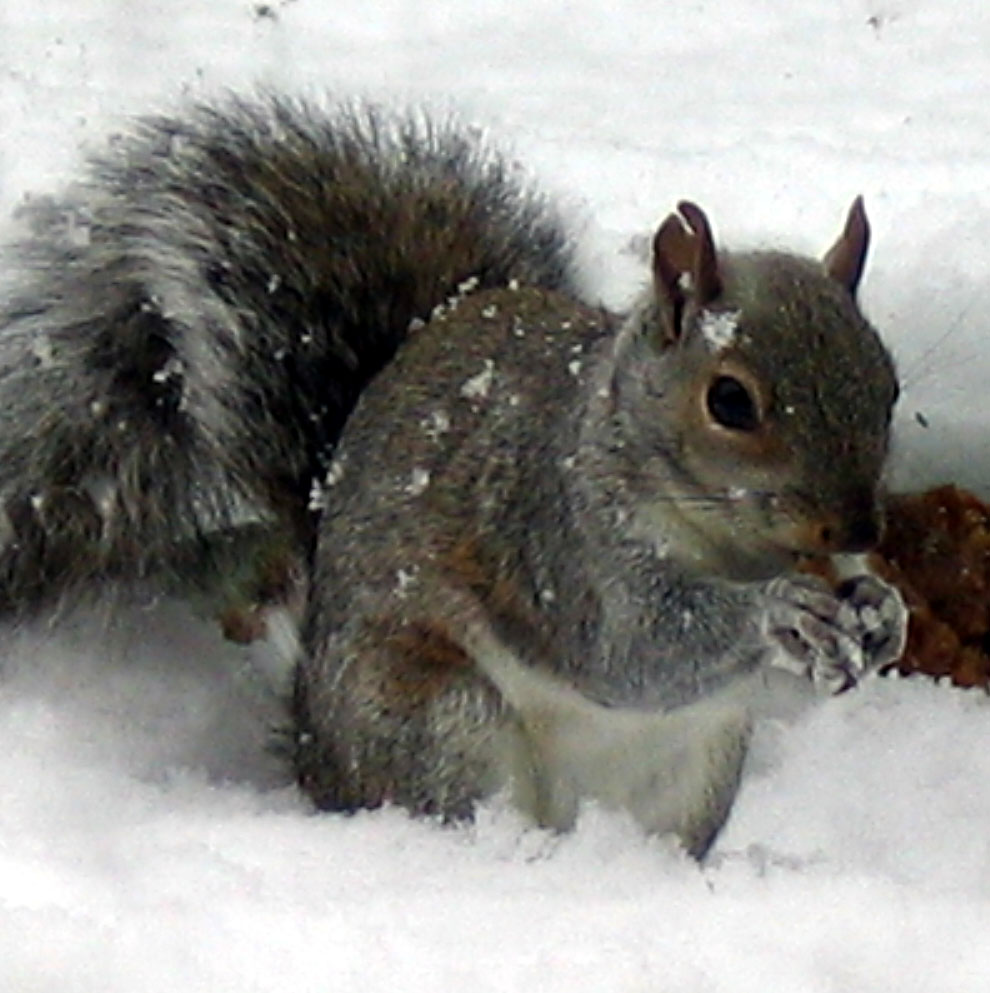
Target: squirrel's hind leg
(398, 714)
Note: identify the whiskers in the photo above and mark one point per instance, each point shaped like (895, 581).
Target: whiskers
(718, 499)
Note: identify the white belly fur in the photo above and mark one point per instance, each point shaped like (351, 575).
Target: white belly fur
(668, 769)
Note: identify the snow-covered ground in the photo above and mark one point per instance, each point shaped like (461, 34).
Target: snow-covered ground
(151, 840)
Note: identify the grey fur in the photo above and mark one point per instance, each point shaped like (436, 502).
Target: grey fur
(191, 324)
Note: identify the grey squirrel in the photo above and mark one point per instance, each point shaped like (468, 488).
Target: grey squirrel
(557, 558)
(548, 552)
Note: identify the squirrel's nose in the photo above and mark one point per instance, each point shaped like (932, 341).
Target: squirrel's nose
(843, 533)
(862, 534)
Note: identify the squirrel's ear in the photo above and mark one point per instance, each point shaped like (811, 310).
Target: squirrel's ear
(845, 260)
(685, 263)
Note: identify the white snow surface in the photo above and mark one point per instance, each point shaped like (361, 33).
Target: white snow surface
(151, 840)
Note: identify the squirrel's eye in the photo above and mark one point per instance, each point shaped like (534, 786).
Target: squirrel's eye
(731, 405)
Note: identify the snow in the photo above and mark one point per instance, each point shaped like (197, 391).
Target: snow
(479, 386)
(719, 329)
(419, 481)
(151, 838)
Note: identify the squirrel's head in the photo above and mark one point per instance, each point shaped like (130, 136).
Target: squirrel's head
(768, 395)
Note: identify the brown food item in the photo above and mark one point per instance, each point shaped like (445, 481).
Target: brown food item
(936, 551)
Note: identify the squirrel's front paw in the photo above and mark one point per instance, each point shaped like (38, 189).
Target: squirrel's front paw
(834, 638)
(875, 611)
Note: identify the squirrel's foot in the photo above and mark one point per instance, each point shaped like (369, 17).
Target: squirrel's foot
(834, 639)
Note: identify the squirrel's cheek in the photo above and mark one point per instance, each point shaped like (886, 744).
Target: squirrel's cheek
(746, 470)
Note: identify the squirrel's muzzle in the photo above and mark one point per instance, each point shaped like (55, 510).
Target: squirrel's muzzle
(832, 534)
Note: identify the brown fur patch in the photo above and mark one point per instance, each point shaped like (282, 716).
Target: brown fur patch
(425, 660)
(463, 561)
(494, 584)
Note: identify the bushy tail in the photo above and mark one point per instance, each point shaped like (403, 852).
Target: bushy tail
(192, 324)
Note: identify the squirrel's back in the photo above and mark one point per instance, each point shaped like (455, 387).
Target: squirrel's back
(197, 317)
